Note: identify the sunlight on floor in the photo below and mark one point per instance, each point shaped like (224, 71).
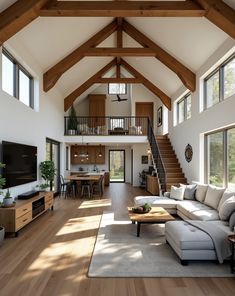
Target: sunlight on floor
(95, 203)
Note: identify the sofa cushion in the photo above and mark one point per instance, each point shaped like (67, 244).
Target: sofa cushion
(204, 215)
(158, 201)
(177, 193)
(188, 206)
(213, 196)
(227, 194)
(200, 193)
(188, 237)
(189, 191)
(232, 222)
(227, 208)
(141, 200)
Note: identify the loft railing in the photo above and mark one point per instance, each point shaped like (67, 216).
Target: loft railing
(107, 125)
(156, 156)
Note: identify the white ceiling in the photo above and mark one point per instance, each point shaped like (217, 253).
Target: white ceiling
(191, 40)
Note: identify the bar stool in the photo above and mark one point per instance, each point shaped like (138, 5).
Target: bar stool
(86, 188)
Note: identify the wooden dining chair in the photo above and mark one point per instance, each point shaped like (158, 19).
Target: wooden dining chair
(97, 186)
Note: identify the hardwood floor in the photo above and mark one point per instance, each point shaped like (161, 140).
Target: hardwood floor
(51, 256)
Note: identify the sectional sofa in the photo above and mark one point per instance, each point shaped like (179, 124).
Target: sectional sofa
(201, 207)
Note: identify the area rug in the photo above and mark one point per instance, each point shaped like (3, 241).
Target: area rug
(119, 253)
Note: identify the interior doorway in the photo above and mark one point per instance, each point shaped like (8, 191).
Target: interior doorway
(53, 154)
(144, 109)
(117, 166)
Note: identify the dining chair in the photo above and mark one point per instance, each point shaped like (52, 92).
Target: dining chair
(97, 186)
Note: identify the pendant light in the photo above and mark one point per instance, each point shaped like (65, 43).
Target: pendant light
(87, 154)
(148, 151)
(100, 153)
(82, 154)
(75, 153)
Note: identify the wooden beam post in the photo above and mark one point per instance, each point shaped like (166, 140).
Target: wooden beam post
(148, 84)
(123, 9)
(17, 16)
(53, 74)
(119, 44)
(68, 101)
(220, 14)
(186, 76)
(118, 80)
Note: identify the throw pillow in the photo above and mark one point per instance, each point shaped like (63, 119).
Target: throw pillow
(227, 194)
(189, 191)
(201, 190)
(232, 221)
(213, 196)
(177, 193)
(227, 208)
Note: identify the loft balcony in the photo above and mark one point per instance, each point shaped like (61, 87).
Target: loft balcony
(106, 126)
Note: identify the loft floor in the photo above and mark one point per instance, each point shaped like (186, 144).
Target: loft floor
(51, 256)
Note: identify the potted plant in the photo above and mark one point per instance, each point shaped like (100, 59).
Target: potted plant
(48, 173)
(72, 122)
(8, 199)
(2, 182)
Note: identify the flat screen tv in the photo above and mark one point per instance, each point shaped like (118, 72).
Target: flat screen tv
(21, 163)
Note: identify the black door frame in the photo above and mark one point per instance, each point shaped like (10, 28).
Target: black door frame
(124, 164)
(51, 142)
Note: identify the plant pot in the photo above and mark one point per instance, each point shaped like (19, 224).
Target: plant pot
(72, 132)
(8, 201)
(2, 234)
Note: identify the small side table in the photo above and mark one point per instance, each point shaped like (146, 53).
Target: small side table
(231, 239)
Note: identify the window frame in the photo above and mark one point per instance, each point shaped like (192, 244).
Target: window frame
(219, 69)
(184, 99)
(119, 92)
(225, 154)
(17, 67)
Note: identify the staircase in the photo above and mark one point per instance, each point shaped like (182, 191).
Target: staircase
(174, 173)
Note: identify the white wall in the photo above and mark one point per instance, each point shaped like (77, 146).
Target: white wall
(192, 131)
(19, 123)
(138, 167)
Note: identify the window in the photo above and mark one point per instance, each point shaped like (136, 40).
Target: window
(220, 84)
(16, 81)
(117, 88)
(184, 108)
(220, 156)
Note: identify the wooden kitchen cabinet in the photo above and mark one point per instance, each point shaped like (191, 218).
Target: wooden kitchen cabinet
(96, 110)
(93, 152)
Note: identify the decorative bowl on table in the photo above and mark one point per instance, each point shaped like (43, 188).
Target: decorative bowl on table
(143, 209)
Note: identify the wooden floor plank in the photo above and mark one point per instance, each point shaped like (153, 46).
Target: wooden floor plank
(51, 256)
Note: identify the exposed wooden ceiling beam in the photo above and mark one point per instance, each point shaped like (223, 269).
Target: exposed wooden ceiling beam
(68, 101)
(187, 76)
(220, 14)
(17, 16)
(148, 84)
(123, 9)
(118, 52)
(53, 74)
(119, 44)
(119, 80)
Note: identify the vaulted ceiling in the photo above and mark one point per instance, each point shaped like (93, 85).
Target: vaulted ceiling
(191, 40)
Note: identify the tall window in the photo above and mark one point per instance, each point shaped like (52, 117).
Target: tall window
(117, 88)
(220, 155)
(184, 108)
(220, 84)
(16, 81)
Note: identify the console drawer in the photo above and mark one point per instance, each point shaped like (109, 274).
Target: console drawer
(23, 220)
(23, 210)
(48, 204)
(49, 196)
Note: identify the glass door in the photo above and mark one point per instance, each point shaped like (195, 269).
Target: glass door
(117, 166)
(53, 154)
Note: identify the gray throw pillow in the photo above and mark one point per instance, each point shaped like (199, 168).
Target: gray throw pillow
(232, 221)
(189, 191)
(227, 208)
(213, 196)
(227, 194)
(201, 190)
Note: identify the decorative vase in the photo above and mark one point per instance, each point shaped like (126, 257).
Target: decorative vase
(8, 201)
(2, 234)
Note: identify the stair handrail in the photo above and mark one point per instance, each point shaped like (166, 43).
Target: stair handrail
(156, 155)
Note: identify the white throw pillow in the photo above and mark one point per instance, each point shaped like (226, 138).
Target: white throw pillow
(226, 195)
(213, 196)
(227, 208)
(201, 190)
(189, 192)
(177, 193)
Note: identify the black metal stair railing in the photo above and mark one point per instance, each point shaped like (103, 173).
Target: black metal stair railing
(157, 160)
(105, 125)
